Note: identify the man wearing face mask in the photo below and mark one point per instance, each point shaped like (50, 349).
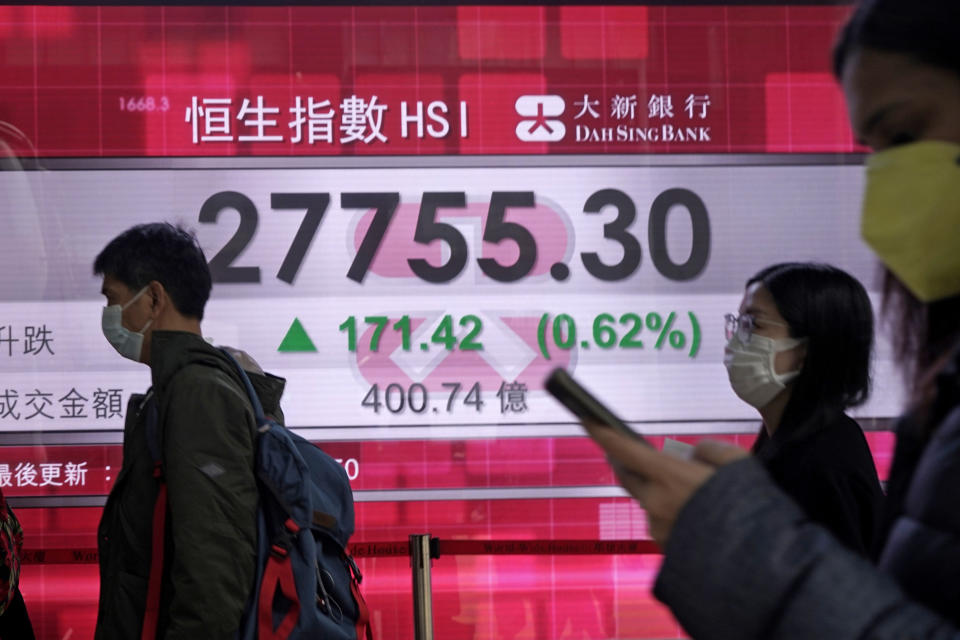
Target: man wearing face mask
(157, 282)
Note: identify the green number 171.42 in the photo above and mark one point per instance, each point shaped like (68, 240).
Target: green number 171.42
(443, 335)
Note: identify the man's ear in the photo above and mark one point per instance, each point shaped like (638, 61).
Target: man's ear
(159, 300)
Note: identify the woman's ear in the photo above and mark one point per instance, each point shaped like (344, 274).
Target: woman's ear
(801, 355)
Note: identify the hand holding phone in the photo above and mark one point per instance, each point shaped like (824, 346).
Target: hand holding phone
(583, 405)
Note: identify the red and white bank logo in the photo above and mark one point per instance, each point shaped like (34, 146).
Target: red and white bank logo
(539, 124)
(631, 119)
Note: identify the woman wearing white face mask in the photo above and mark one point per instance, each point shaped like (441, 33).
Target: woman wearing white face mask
(799, 352)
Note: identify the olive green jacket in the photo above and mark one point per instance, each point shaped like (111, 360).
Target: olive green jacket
(207, 432)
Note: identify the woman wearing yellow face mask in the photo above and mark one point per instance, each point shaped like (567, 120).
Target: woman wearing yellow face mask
(741, 560)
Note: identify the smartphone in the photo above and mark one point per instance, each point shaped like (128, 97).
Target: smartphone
(583, 405)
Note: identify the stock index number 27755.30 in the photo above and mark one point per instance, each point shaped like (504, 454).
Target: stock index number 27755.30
(497, 230)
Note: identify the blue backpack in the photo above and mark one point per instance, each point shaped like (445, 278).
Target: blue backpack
(307, 585)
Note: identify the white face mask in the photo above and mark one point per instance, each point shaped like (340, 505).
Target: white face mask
(750, 368)
(127, 343)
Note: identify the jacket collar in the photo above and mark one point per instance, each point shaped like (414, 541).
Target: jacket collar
(170, 351)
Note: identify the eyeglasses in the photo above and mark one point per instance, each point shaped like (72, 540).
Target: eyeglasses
(743, 325)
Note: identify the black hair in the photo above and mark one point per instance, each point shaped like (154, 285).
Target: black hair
(162, 252)
(925, 30)
(923, 336)
(831, 310)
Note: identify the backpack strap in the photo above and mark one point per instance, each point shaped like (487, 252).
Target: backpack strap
(157, 538)
(248, 386)
(364, 628)
(278, 576)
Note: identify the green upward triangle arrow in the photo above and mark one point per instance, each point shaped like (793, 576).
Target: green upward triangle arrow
(297, 339)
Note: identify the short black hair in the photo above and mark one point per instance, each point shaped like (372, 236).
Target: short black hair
(832, 311)
(163, 252)
(925, 30)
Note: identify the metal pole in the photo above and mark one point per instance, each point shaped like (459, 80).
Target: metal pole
(422, 590)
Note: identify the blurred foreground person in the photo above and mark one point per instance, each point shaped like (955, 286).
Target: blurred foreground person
(742, 561)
